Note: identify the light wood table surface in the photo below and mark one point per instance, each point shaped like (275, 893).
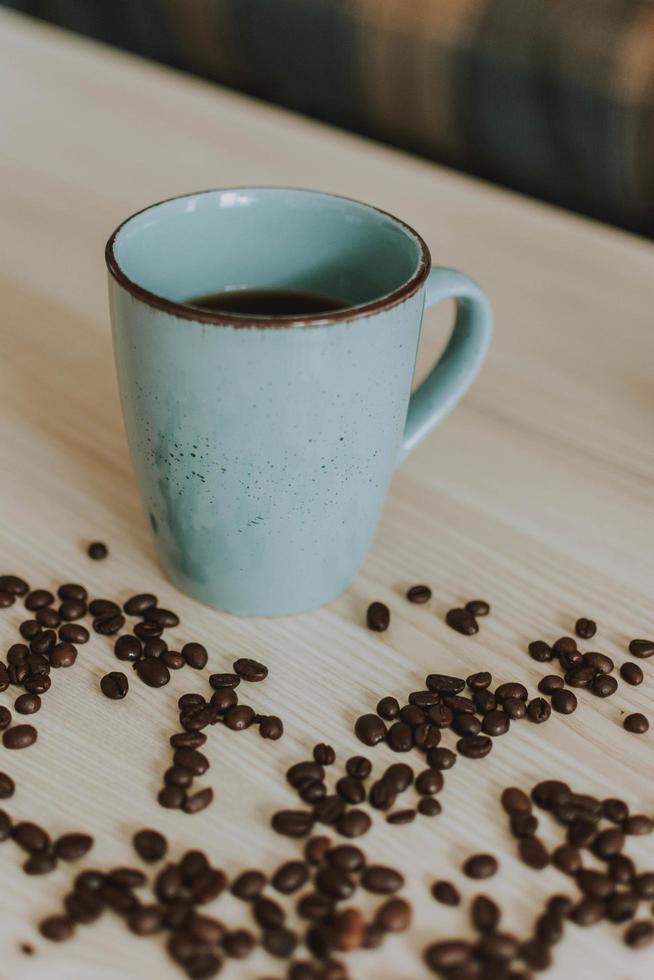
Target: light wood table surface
(536, 494)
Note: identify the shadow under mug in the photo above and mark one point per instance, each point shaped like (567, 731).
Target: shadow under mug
(264, 447)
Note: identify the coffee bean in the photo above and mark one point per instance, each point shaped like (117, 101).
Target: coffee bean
(16, 674)
(401, 817)
(631, 673)
(419, 593)
(6, 599)
(621, 869)
(329, 809)
(5, 717)
(639, 934)
(588, 911)
(358, 766)
(565, 702)
(641, 648)
(223, 699)
(31, 837)
(69, 610)
(480, 866)
(382, 795)
(316, 848)
(636, 723)
(190, 700)
(370, 729)
(239, 717)
(485, 914)
(585, 628)
(172, 659)
(515, 801)
(198, 801)
(429, 782)
(14, 585)
(533, 853)
(512, 689)
(250, 670)
(428, 806)
(445, 683)
(73, 633)
(441, 716)
(550, 683)
(17, 654)
(271, 727)
(479, 681)
(191, 759)
(195, 655)
(514, 708)
(474, 746)
(44, 642)
(178, 776)
(304, 771)
(224, 680)
(108, 625)
(399, 776)
(292, 823)
(103, 607)
(4, 678)
(567, 859)
(463, 621)
(171, 797)
(49, 618)
(152, 672)
(498, 947)
(445, 893)
(599, 662)
(466, 724)
(29, 628)
(7, 786)
(19, 737)
(280, 942)
(150, 845)
(324, 754)
(114, 685)
(5, 825)
(615, 810)
(56, 928)
(63, 655)
(495, 723)
(248, 885)
(388, 708)
(378, 617)
(128, 648)
(399, 737)
(381, 880)
(268, 913)
(27, 704)
(582, 832)
(423, 699)
(148, 631)
(38, 599)
(441, 758)
(312, 791)
(137, 605)
(549, 929)
(603, 686)
(71, 847)
(238, 944)
(145, 921)
(523, 824)
(290, 876)
(426, 736)
(334, 882)
(97, 550)
(354, 823)
(154, 646)
(444, 957)
(187, 740)
(638, 824)
(540, 651)
(351, 790)
(538, 710)
(565, 645)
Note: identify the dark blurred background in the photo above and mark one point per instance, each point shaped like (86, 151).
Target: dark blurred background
(554, 98)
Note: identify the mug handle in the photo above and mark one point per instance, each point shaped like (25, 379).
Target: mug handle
(461, 360)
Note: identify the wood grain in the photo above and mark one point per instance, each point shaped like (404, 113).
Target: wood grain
(536, 494)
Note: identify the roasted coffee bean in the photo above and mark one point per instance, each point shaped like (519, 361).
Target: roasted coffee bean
(190, 700)
(161, 617)
(17, 654)
(304, 771)
(399, 776)
(632, 674)
(426, 736)
(588, 911)
(429, 782)
(636, 723)
(512, 689)
(329, 809)
(497, 947)
(128, 648)
(49, 618)
(71, 847)
(19, 737)
(56, 928)
(171, 797)
(444, 683)
(5, 825)
(615, 810)
(428, 806)
(621, 907)
(412, 715)
(314, 906)
(399, 737)
(70, 610)
(550, 683)
(198, 801)
(16, 673)
(382, 880)
(419, 594)
(514, 708)
(599, 662)
(324, 754)
(441, 758)
(103, 607)
(455, 702)
(238, 944)
(638, 825)
(248, 885)
(7, 786)
(271, 727)
(347, 930)
(585, 628)
(445, 893)
(479, 681)
(195, 655)
(441, 716)
(172, 659)
(137, 605)
(145, 921)
(354, 823)
(351, 790)
(533, 853)
(198, 716)
(540, 651)
(370, 729)
(474, 746)
(382, 795)
(538, 710)
(187, 740)
(37, 664)
(4, 678)
(250, 670)
(178, 776)
(30, 837)
(293, 823)
(73, 633)
(29, 628)
(549, 929)
(97, 550)
(484, 701)
(485, 914)
(580, 676)
(191, 759)
(40, 864)
(582, 832)
(334, 882)
(495, 723)
(43, 642)
(639, 934)
(239, 717)
(603, 686)
(424, 699)
(114, 685)
(316, 848)
(148, 631)
(346, 857)
(280, 942)
(63, 655)
(268, 913)
(358, 766)
(154, 646)
(27, 704)
(466, 724)
(608, 842)
(150, 845)
(224, 680)
(641, 648)
(223, 699)
(643, 884)
(523, 824)
(152, 671)
(480, 866)
(312, 791)
(515, 801)
(6, 599)
(463, 621)
(5, 717)
(401, 817)
(290, 876)
(565, 645)
(108, 625)
(378, 617)
(545, 792)
(565, 702)
(621, 869)
(444, 957)
(478, 607)
(567, 859)
(38, 599)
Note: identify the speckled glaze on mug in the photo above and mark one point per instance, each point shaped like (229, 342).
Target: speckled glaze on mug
(263, 447)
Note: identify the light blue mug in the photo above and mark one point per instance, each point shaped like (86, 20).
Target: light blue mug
(264, 446)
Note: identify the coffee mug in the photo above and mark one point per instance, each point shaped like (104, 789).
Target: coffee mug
(264, 446)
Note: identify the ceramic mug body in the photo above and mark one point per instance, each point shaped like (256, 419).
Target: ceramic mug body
(263, 447)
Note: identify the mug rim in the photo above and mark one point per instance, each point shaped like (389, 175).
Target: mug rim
(186, 312)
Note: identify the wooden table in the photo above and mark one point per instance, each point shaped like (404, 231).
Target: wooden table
(536, 494)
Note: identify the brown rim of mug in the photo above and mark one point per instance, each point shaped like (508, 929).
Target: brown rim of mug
(186, 312)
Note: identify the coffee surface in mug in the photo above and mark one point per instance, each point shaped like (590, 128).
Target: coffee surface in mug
(267, 302)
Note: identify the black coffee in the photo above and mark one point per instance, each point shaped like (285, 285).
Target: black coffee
(267, 302)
